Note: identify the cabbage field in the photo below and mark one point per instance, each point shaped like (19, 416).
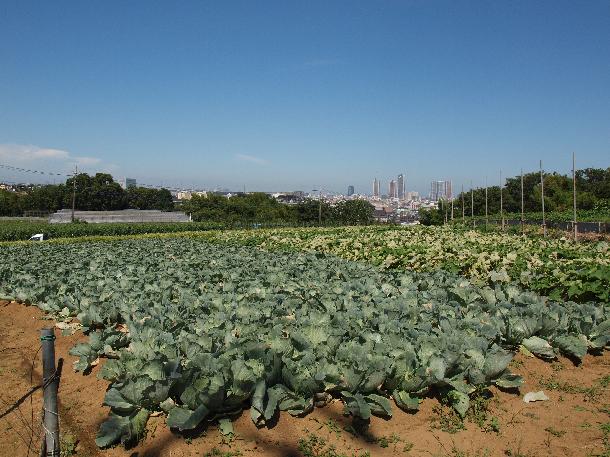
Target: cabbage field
(558, 268)
(201, 331)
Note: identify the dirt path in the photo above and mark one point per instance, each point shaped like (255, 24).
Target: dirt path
(571, 423)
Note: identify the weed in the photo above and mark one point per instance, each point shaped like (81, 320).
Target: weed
(408, 446)
(605, 428)
(447, 419)
(333, 427)
(315, 446)
(493, 425)
(218, 453)
(516, 363)
(67, 444)
(555, 432)
(557, 366)
(590, 393)
(605, 381)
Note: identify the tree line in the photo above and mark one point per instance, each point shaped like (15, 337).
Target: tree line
(261, 208)
(592, 193)
(101, 193)
(93, 193)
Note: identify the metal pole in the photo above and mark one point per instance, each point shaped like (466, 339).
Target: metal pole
(574, 194)
(463, 213)
(501, 202)
(50, 414)
(451, 197)
(542, 196)
(74, 191)
(472, 204)
(522, 207)
(320, 209)
(486, 214)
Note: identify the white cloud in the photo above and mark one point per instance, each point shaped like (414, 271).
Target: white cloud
(84, 161)
(37, 157)
(251, 159)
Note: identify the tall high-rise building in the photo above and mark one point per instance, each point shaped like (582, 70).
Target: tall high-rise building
(401, 186)
(376, 188)
(440, 190)
(392, 189)
(350, 191)
(126, 183)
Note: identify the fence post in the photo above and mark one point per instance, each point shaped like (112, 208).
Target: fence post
(522, 206)
(542, 194)
(574, 194)
(50, 422)
(472, 204)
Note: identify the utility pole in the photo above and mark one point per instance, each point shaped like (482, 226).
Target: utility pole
(574, 194)
(74, 191)
(522, 206)
(542, 196)
(501, 203)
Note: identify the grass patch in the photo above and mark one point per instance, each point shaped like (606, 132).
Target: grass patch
(316, 446)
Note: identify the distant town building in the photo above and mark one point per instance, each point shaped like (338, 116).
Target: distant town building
(392, 189)
(350, 191)
(412, 195)
(376, 188)
(401, 186)
(440, 190)
(126, 183)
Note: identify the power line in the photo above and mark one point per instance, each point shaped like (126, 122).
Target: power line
(50, 173)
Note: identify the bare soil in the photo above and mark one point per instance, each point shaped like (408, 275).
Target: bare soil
(570, 423)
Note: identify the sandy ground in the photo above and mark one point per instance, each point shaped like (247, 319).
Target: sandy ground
(571, 423)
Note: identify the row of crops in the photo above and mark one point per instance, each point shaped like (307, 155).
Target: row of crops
(15, 230)
(202, 330)
(559, 268)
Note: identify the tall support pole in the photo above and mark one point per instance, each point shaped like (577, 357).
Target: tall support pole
(542, 198)
(320, 208)
(522, 206)
(486, 212)
(472, 204)
(50, 414)
(446, 209)
(574, 194)
(501, 201)
(451, 209)
(74, 192)
(451, 203)
(463, 209)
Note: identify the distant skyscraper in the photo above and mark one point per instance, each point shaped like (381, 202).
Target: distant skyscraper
(401, 186)
(127, 183)
(350, 191)
(392, 189)
(440, 190)
(376, 188)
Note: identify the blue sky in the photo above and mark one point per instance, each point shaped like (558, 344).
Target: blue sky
(290, 95)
